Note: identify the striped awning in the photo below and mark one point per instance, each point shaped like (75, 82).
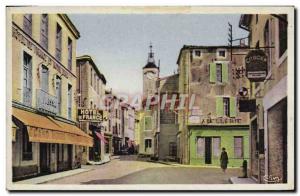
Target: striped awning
(45, 129)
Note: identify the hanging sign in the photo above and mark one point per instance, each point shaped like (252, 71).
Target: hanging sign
(90, 115)
(248, 105)
(256, 65)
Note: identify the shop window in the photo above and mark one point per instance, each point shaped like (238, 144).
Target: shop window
(238, 147)
(44, 31)
(283, 34)
(216, 146)
(26, 146)
(70, 56)
(200, 146)
(172, 149)
(148, 123)
(58, 42)
(27, 23)
(148, 143)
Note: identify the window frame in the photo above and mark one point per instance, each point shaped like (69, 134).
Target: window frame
(219, 65)
(44, 32)
(27, 24)
(70, 53)
(226, 106)
(58, 42)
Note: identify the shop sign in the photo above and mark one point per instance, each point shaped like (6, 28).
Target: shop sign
(90, 115)
(256, 65)
(46, 103)
(248, 105)
(221, 120)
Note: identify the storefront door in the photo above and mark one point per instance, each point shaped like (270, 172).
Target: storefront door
(44, 158)
(70, 156)
(208, 150)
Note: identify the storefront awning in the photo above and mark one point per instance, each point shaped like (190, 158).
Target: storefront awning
(45, 129)
(101, 137)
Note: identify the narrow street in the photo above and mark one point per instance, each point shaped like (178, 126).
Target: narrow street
(131, 170)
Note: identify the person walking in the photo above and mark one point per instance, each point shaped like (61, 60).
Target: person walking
(224, 160)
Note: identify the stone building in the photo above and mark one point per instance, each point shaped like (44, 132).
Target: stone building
(211, 121)
(128, 128)
(148, 116)
(91, 85)
(269, 123)
(45, 136)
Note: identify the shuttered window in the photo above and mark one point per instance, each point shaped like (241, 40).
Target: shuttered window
(44, 31)
(58, 42)
(224, 72)
(226, 106)
(219, 106)
(238, 147)
(200, 146)
(218, 72)
(216, 146)
(45, 78)
(232, 106)
(148, 123)
(212, 72)
(27, 24)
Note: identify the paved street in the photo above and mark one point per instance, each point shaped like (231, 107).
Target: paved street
(129, 170)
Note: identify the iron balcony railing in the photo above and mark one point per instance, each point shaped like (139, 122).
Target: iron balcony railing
(46, 103)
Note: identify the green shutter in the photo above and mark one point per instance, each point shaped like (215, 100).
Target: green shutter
(232, 106)
(225, 72)
(219, 106)
(212, 72)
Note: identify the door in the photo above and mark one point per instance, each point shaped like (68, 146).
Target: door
(70, 156)
(44, 158)
(208, 150)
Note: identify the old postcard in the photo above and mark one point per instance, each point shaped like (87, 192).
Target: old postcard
(150, 98)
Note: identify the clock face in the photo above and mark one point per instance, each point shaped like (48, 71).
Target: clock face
(150, 75)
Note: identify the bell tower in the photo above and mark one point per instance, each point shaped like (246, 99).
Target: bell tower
(150, 74)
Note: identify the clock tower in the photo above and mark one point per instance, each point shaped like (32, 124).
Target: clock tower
(150, 75)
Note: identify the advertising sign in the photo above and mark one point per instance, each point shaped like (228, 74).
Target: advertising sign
(256, 65)
(90, 115)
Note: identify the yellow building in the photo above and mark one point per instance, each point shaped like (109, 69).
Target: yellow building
(46, 138)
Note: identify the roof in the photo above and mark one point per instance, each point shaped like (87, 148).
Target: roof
(193, 47)
(91, 61)
(70, 25)
(150, 65)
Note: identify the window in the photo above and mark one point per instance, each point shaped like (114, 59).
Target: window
(256, 18)
(282, 34)
(226, 106)
(58, 42)
(91, 77)
(69, 54)
(44, 31)
(261, 142)
(221, 53)
(58, 93)
(45, 78)
(26, 146)
(27, 79)
(95, 81)
(268, 43)
(172, 149)
(27, 23)
(69, 101)
(198, 53)
(148, 143)
(148, 123)
(216, 146)
(238, 147)
(200, 146)
(219, 72)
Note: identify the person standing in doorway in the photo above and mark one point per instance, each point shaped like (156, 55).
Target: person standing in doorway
(224, 160)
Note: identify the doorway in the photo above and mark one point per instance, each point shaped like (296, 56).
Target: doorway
(207, 150)
(70, 155)
(44, 158)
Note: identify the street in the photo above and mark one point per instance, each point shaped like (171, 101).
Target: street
(130, 170)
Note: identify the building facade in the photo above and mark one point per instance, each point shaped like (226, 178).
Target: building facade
(91, 84)
(128, 128)
(46, 138)
(210, 119)
(269, 123)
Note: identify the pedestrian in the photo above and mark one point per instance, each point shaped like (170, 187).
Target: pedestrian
(224, 160)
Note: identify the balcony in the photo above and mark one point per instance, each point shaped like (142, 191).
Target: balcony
(46, 103)
(27, 96)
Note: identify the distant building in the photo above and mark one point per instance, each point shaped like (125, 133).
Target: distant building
(46, 138)
(209, 74)
(91, 85)
(269, 123)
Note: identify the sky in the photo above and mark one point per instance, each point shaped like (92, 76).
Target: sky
(119, 43)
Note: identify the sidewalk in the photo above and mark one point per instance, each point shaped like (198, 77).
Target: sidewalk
(237, 180)
(46, 178)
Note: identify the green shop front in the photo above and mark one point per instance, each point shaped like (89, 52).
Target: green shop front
(206, 143)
